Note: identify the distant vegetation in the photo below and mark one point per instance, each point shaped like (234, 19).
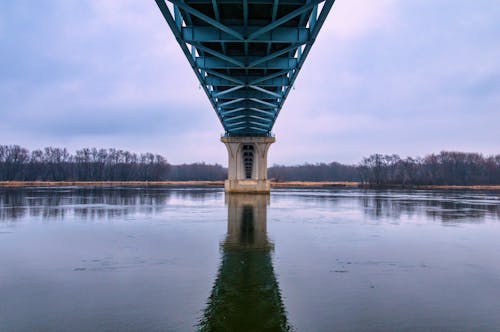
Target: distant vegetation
(57, 164)
(445, 168)
(91, 164)
(197, 172)
(315, 172)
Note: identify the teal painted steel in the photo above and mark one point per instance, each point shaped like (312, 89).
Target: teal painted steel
(246, 54)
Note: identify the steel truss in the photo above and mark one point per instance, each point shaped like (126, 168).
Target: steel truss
(246, 54)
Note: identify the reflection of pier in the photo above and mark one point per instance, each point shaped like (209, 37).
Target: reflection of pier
(246, 295)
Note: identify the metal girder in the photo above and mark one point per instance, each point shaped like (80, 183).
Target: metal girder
(248, 116)
(219, 94)
(261, 111)
(238, 129)
(249, 103)
(317, 27)
(272, 82)
(226, 77)
(246, 58)
(262, 130)
(250, 2)
(284, 19)
(206, 34)
(212, 62)
(243, 122)
(228, 113)
(206, 18)
(266, 92)
(260, 118)
(246, 94)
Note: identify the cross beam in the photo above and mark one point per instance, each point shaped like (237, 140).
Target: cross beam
(246, 54)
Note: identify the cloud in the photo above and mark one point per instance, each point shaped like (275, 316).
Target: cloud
(390, 76)
(354, 18)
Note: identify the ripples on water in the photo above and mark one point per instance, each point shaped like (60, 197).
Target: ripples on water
(98, 203)
(194, 259)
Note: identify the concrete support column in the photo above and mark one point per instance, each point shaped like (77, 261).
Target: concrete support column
(247, 163)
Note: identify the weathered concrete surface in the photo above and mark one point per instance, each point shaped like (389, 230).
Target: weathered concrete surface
(247, 163)
(247, 186)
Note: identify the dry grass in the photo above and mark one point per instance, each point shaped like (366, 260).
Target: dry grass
(108, 183)
(285, 184)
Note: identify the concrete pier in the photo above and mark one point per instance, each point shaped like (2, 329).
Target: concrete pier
(247, 163)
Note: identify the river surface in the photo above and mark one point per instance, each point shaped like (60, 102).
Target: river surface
(184, 259)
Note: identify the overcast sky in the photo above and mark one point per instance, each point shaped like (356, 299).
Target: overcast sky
(408, 77)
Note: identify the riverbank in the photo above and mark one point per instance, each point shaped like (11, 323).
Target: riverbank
(107, 183)
(274, 184)
(306, 184)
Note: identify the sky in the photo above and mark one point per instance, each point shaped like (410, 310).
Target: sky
(407, 77)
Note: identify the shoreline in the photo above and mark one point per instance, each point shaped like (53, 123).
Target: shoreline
(274, 184)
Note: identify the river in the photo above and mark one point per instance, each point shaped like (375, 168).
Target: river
(184, 259)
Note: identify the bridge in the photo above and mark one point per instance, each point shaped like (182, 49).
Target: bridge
(246, 55)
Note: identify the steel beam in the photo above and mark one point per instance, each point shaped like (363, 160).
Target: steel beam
(272, 82)
(206, 18)
(246, 94)
(206, 34)
(211, 62)
(246, 62)
(284, 19)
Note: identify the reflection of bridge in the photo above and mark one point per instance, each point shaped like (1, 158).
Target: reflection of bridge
(246, 55)
(246, 295)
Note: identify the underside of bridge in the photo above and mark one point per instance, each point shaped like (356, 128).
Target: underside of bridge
(246, 55)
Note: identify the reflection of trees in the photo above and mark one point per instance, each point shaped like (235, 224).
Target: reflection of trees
(92, 202)
(197, 194)
(446, 206)
(246, 295)
(83, 202)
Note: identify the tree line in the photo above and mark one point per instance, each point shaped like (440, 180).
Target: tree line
(87, 164)
(314, 172)
(92, 164)
(445, 168)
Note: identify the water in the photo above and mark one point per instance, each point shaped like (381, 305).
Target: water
(163, 259)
